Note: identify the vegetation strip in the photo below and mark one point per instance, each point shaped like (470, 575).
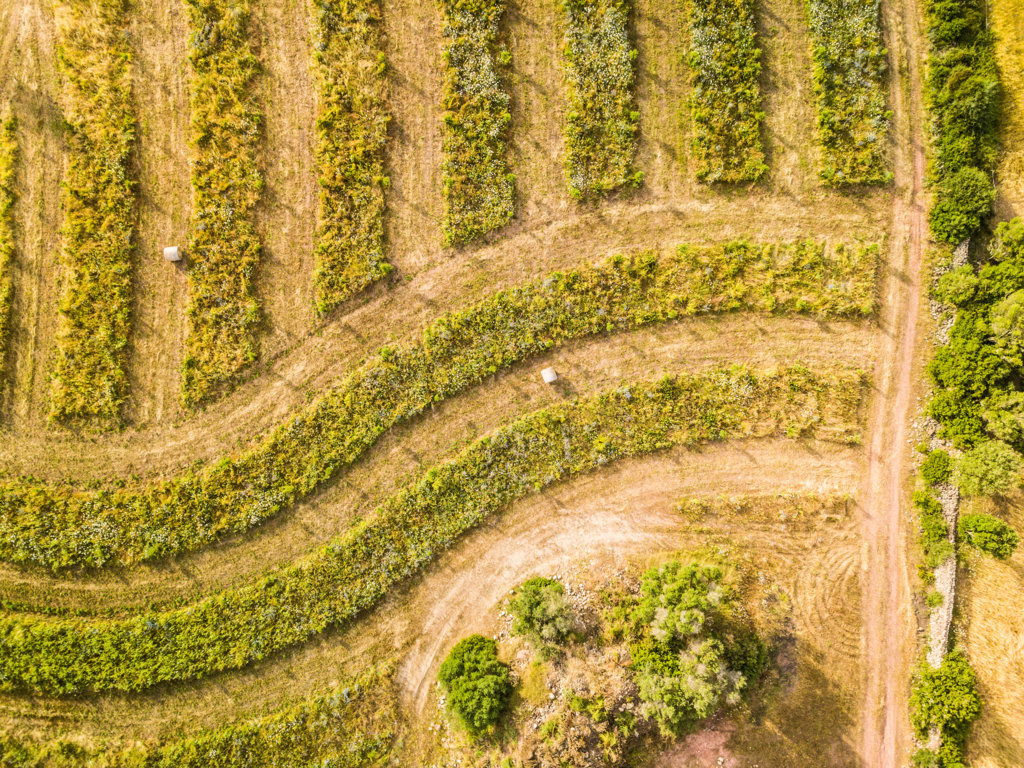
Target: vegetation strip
(89, 378)
(223, 247)
(478, 188)
(8, 162)
(351, 134)
(350, 727)
(725, 64)
(602, 118)
(849, 84)
(962, 91)
(61, 526)
(236, 627)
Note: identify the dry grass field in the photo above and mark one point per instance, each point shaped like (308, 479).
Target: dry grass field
(813, 518)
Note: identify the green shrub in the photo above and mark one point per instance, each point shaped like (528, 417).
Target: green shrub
(223, 245)
(602, 117)
(935, 543)
(989, 468)
(946, 698)
(849, 86)
(236, 627)
(89, 380)
(63, 525)
(725, 106)
(478, 685)
(351, 134)
(542, 612)
(956, 287)
(477, 186)
(962, 201)
(8, 162)
(989, 534)
(937, 468)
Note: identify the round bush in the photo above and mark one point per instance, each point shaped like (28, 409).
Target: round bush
(477, 683)
(989, 534)
(542, 612)
(962, 202)
(990, 468)
(937, 468)
(956, 287)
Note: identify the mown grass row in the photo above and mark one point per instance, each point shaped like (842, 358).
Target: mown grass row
(351, 134)
(350, 727)
(236, 627)
(477, 186)
(725, 105)
(61, 526)
(89, 377)
(8, 164)
(602, 118)
(223, 245)
(849, 74)
(962, 93)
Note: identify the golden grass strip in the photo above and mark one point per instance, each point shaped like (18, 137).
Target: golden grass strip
(8, 163)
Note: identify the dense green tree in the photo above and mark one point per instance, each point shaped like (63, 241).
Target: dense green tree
(989, 534)
(541, 611)
(990, 468)
(477, 683)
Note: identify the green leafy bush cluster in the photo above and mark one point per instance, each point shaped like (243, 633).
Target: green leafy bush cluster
(937, 468)
(89, 381)
(542, 612)
(478, 685)
(8, 162)
(223, 246)
(350, 727)
(62, 526)
(238, 626)
(477, 185)
(849, 84)
(602, 117)
(935, 541)
(351, 134)
(945, 698)
(725, 64)
(684, 670)
(989, 534)
(962, 91)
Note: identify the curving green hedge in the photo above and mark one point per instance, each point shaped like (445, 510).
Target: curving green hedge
(8, 162)
(236, 627)
(477, 185)
(602, 118)
(89, 380)
(61, 526)
(725, 106)
(350, 727)
(223, 246)
(351, 134)
(849, 61)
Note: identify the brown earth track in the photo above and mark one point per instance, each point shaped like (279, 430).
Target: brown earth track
(585, 367)
(603, 514)
(889, 624)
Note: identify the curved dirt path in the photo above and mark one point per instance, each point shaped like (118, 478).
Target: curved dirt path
(625, 509)
(889, 623)
(586, 367)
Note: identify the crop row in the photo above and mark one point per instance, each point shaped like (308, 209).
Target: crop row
(962, 91)
(236, 627)
(477, 185)
(849, 63)
(8, 163)
(602, 118)
(350, 727)
(89, 378)
(725, 105)
(61, 526)
(351, 133)
(223, 246)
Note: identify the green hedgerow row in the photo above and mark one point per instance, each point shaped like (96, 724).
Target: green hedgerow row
(350, 727)
(849, 84)
(89, 377)
(962, 92)
(223, 247)
(725, 64)
(236, 627)
(602, 118)
(477, 185)
(61, 526)
(8, 162)
(351, 133)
